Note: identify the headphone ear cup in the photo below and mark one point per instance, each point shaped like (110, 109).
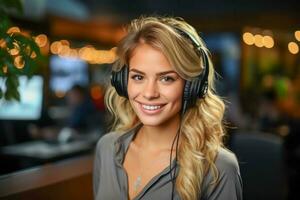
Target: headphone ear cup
(190, 93)
(203, 79)
(186, 100)
(119, 80)
(203, 87)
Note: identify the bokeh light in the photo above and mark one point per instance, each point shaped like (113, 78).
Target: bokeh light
(55, 47)
(293, 47)
(60, 94)
(41, 40)
(297, 35)
(13, 29)
(96, 92)
(248, 38)
(4, 69)
(19, 62)
(268, 41)
(258, 40)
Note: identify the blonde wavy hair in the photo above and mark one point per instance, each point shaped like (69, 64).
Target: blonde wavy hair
(201, 126)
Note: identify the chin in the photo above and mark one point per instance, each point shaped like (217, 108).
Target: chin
(157, 120)
(151, 122)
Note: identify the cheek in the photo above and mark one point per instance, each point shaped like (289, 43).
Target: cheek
(174, 94)
(132, 90)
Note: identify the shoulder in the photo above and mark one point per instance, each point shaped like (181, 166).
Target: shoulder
(227, 183)
(105, 148)
(107, 141)
(226, 162)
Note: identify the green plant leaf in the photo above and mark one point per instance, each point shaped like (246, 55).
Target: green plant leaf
(4, 25)
(26, 45)
(14, 5)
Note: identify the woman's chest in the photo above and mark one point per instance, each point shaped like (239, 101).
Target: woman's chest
(142, 169)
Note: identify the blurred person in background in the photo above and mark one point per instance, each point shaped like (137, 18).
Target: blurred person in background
(81, 108)
(82, 117)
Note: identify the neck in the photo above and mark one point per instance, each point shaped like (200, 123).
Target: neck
(158, 137)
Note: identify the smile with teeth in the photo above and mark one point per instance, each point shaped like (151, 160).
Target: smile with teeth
(150, 107)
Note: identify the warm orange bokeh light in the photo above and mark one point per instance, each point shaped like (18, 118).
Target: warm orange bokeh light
(248, 38)
(297, 35)
(19, 62)
(268, 41)
(4, 69)
(65, 42)
(41, 40)
(73, 53)
(33, 55)
(65, 51)
(60, 94)
(258, 40)
(13, 29)
(96, 92)
(293, 47)
(15, 50)
(55, 47)
(86, 53)
(2, 43)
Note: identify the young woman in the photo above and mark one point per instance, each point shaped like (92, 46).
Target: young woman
(167, 133)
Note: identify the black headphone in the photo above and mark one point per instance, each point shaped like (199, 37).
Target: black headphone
(193, 89)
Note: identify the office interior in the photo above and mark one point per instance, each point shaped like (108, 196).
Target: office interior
(48, 137)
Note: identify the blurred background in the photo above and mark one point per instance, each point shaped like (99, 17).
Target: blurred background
(52, 124)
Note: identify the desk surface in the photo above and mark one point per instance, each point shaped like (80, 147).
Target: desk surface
(44, 150)
(47, 175)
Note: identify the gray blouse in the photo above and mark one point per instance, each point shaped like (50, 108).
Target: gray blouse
(111, 182)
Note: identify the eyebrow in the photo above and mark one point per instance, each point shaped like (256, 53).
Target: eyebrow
(159, 74)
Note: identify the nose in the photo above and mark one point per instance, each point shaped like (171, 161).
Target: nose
(151, 90)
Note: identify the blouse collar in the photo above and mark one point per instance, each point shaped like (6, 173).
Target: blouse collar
(122, 143)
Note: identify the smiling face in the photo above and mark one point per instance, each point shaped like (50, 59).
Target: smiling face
(154, 88)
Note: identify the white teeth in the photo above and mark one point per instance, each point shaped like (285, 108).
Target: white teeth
(148, 107)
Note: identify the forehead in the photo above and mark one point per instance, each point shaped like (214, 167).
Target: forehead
(148, 59)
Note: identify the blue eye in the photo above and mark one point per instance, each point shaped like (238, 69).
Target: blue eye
(137, 77)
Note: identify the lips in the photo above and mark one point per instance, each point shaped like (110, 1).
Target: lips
(151, 108)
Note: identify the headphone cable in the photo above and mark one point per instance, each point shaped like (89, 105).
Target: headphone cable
(176, 153)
